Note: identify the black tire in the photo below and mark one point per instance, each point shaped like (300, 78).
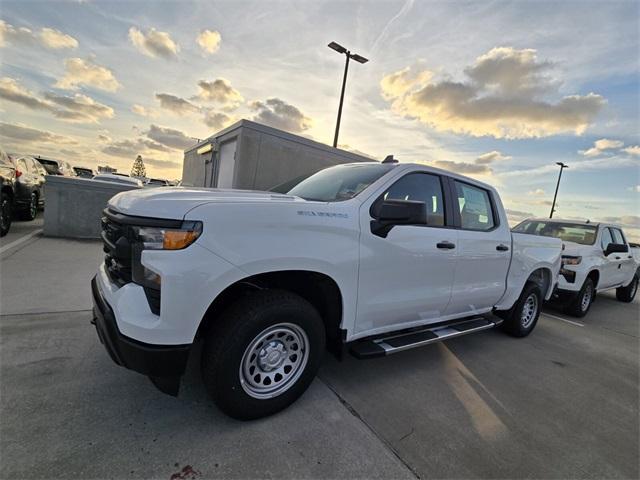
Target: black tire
(228, 346)
(6, 213)
(31, 211)
(515, 322)
(628, 293)
(581, 304)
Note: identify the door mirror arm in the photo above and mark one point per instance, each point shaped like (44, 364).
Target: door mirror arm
(389, 213)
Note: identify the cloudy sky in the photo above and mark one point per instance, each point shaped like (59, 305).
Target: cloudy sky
(496, 90)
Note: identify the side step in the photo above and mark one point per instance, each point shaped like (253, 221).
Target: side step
(397, 342)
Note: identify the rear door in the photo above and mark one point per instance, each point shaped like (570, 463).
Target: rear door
(484, 250)
(405, 279)
(626, 268)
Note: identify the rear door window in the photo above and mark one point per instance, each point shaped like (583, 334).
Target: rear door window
(617, 236)
(476, 212)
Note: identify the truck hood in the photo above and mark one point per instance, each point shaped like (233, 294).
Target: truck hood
(574, 249)
(175, 202)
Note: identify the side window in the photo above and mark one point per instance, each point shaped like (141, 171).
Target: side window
(421, 187)
(606, 238)
(475, 207)
(617, 236)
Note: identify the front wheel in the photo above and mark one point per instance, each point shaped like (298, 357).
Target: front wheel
(581, 304)
(30, 212)
(628, 293)
(262, 353)
(523, 316)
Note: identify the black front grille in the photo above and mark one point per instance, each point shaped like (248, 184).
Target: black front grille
(116, 238)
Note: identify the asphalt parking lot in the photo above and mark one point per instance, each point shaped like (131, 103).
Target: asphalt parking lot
(562, 403)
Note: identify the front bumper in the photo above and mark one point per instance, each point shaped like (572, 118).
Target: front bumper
(163, 364)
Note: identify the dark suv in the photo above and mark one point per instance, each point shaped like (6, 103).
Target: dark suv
(8, 183)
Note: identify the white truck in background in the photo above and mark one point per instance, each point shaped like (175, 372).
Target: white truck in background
(373, 258)
(596, 257)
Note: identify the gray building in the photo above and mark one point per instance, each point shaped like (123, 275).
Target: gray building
(248, 155)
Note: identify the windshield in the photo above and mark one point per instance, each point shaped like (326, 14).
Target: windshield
(567, 232)
(339, 183)
(50, 166)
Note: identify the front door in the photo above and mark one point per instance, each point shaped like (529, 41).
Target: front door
(405, 279)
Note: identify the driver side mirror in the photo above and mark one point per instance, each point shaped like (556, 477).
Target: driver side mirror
(616, 248)
(390, 213)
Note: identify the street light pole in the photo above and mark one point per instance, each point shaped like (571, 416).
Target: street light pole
(344, 84)
(553, 205)
(358, 58)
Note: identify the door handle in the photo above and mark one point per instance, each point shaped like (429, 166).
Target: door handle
(502, 248)
(446, 245)
(617, 258)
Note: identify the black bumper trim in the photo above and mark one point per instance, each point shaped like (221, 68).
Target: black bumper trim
(156, 361)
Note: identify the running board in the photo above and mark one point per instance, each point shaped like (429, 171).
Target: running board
(395, 342)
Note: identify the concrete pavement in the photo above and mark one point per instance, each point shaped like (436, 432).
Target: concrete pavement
(560, 403)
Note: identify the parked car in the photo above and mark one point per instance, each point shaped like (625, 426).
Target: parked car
(56, 167)
(29, 191)
(156, 182)
(122, 179)
(596, 258)
(84, 172)
(7, 184)
(372, 257)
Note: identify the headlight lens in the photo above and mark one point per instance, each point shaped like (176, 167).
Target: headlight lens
(155, 238)
(571, 260)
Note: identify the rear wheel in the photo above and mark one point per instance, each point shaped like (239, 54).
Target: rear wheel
(523, 316)
(628, 293)
(6, 207)
(262, 353)
(30, 212)
(581, 304)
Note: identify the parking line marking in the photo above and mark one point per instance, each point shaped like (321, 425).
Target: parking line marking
(564, 320)
(17, 242)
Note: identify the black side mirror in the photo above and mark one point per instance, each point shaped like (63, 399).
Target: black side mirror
(616, 248)
(390, 213)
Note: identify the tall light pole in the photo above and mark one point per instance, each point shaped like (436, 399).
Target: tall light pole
(553, 205)
(360, 59)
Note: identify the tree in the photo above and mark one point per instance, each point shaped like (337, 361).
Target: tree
(138, 169)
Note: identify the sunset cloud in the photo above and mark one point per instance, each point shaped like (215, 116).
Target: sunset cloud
(46, 37)
(78, 108)
(209, 41)
(501, 97)
(216, 120)
(601, 146)
(463, 168)
(279, 114)
(21, 133)
(490, 157)
(219, 91)
(154, 43)
(175, 104)
(170, 137)
(80, 72)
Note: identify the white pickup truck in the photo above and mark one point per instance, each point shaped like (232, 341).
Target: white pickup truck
(374, 258)
(596, 257)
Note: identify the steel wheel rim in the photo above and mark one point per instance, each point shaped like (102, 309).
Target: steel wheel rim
(274, 360)
(586, 299)
(529, 310)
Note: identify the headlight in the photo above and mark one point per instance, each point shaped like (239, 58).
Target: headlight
(571, 260)
(157, 238)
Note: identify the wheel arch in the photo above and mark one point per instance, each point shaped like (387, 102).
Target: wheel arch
(542, 277)
(317, 288)
(594, 275)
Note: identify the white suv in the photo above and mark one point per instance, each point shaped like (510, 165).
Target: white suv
(596, 257)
